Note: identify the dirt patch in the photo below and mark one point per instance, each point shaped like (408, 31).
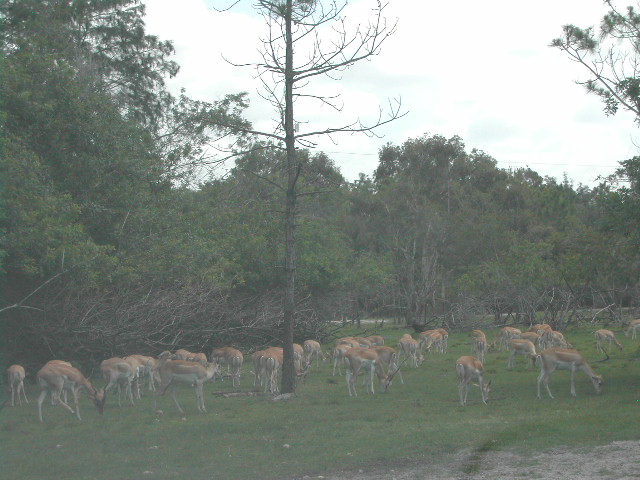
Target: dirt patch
(617, 460)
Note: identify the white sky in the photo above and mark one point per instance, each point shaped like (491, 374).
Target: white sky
(479, 70)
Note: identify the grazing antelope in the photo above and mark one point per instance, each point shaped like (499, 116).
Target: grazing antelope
(555, 358)
(366, 359)
(182, 354)
(338, 356)
(145, 369)
(233, 358)
(388, 357)
(118, 373)
(633, 326)
(376, 340)
(298, 357)
(445, 339)
(313, 351)
(56, 377)
(468, 368)
(15, 377)
(519, 346)
(533, 337)
(480, 344)
(505, 334)
(138, 364)
(410, 347)
(258, 374)
(553, 338)
(431, 340)
(193, 374)
(540, 328)
(607, 336)
(272, 360)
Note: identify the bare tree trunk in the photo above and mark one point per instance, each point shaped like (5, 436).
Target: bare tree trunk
(288, 369)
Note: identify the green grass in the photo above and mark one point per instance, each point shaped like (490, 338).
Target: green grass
(326, 430)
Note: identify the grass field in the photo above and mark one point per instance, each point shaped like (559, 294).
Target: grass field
(322, 429)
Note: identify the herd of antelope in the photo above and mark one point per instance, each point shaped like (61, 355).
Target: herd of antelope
(367, 355)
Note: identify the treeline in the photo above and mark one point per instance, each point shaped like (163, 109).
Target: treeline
(112, 244)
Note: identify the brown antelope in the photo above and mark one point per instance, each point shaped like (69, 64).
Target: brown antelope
(54, 377)
(376, 340)
(338, 356)
(505, 334)
(445, 339)
(145, 369)
(540, 328)
(138, 364)
(182, 354)
(480, 344)
(533, 337)
(555, 358)
(553, 338)
(258, 375)
(366, 359)
(233, 359)
(607, 336)
(15, 379)
(272, 360)
(120, 374)
(388, 357)
(193, 374)
(431, 340)
(519, 346)
(313, 351)
(633, 326)
(410, 347)
(468, 368)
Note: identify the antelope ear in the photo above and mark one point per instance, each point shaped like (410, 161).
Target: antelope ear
(489, 383)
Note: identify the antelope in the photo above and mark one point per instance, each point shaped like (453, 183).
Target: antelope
(201, 358)
(553, 359)
(376, 340)
(540, 328)
(519, 346)
(233, 358)
(182, 354)
(504, 335)
(298, 357)
(193, 374)
(146, 368)
(445, 339)
(138, 364)
(533, 337)
(480, 345)
(359, 358)
(364, 342)
(258, 375)
(411, 349)
(312, 350)
(608, 336)
(15, 377)
(338, 356)
(388, 357)
(54, 377)
(64, 391)
(272, 361)
(118, 373)
(429, 339)
(633, 326)
(552, 338)
(352, 342)
(468, 368)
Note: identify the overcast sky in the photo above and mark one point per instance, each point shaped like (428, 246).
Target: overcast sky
(479, 70)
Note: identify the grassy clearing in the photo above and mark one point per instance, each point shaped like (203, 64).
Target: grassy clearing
(325, 430)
